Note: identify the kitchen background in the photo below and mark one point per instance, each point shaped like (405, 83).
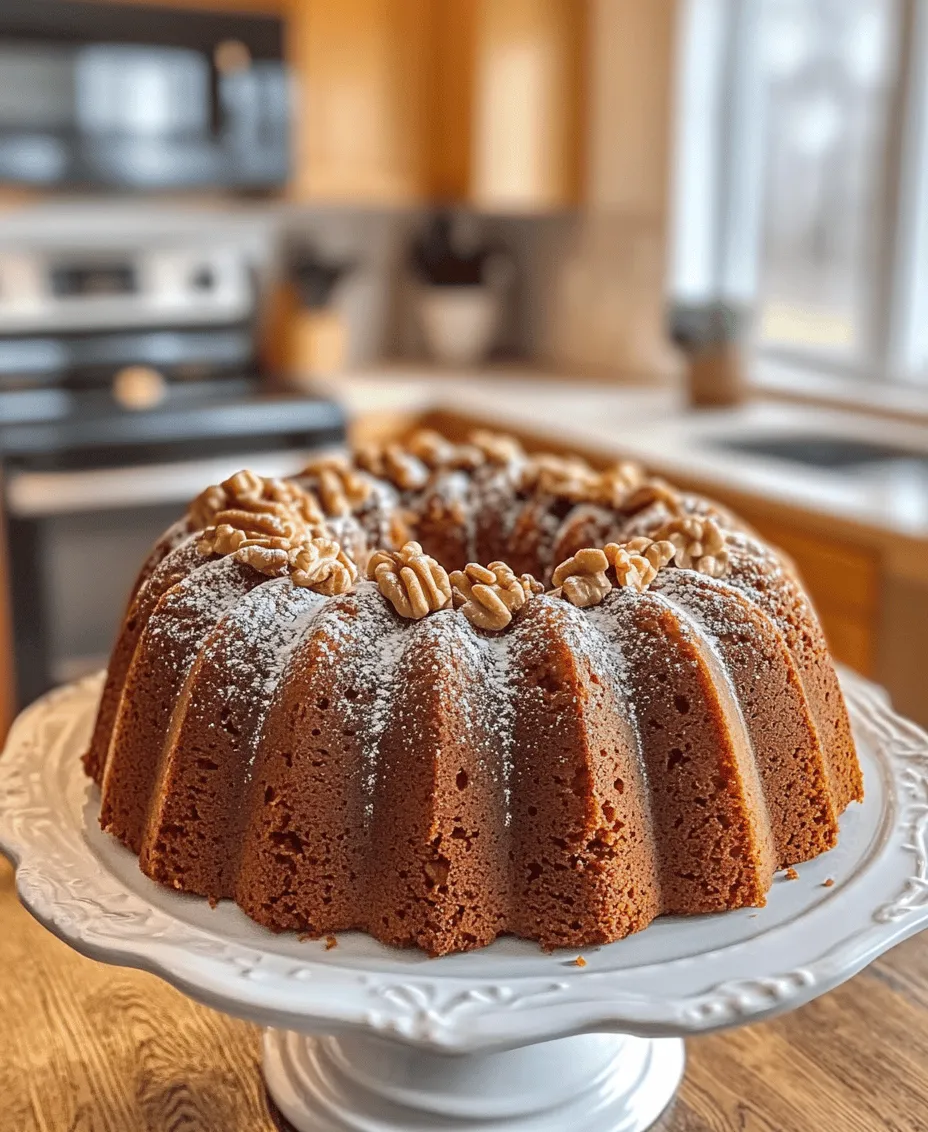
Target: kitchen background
(692, 231)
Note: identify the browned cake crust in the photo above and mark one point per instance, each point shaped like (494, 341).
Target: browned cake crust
(414, 757)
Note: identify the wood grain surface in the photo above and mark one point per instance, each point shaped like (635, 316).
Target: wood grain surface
(90, 1048)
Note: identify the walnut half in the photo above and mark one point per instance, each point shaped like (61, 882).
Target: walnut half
(392, 462)
(699, 544)
(489, 595)
(637, 562)
(413, 582)
(320, 564)
(247, 491)
(339, 487)
(437, 452)
(582, 578)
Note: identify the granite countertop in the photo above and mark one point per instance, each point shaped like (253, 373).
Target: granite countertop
(656, 427)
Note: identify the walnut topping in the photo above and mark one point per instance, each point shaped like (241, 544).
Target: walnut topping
(391, 462)
(206, 506)
(658, 553)
(574, 480)
(531, 585)
(436, 451)
(582, 578)
(489, 595)
(636, 563)
(433, 449)
(570, 479)
(275, 538)
(414, 583)
(269, 556)
(320, 564)
(341, 490)
(236, 530)
(699, 544)
(649, 493)
(615, 484)
(246, 491)
(497, 447)
(276, 547)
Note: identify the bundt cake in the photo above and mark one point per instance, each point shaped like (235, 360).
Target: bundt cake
(324, 706)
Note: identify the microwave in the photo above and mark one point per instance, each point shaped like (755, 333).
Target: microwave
(130, 97)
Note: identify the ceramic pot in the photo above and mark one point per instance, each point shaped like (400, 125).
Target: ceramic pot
(459, 324)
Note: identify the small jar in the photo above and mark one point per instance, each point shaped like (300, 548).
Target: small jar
(711, 337)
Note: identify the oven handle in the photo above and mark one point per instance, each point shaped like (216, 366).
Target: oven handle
(44, 494)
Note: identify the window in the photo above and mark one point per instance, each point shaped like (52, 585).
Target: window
(801, 186)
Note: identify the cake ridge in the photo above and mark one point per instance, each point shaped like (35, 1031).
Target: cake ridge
(743, 750)
(801, 739)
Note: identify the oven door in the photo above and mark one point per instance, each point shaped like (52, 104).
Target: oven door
(76, 542)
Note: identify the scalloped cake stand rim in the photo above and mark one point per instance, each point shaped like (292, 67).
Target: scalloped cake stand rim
(79, 885)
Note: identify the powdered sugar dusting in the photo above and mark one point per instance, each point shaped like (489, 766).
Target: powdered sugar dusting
(501, 708)
(198, 601)
(249, 652)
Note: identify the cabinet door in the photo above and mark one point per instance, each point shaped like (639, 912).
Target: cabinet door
(362, 99)
(525, 153)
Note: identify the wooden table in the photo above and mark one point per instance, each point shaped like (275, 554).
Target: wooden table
(91, 1048)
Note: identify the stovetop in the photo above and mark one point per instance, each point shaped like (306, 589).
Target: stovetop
(58, 429)
(143, 351)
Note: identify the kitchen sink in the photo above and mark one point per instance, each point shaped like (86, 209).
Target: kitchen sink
(822, 451)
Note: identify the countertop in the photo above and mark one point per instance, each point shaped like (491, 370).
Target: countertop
(654, 426)
(90, 1048)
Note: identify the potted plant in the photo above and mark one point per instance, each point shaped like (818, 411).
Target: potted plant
(461, 285)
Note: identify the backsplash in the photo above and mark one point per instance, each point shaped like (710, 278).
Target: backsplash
(587, 294)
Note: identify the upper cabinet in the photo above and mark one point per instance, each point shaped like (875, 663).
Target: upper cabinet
(527, 127)
(628, 114)
(400, 101)
(362, 94)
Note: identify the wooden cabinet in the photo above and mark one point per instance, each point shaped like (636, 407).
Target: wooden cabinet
(631, 81)
(362, 99)
(404, 101)
(528, 98)
(400, 101)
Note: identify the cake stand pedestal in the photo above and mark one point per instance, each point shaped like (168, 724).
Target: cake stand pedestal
(370, 1039)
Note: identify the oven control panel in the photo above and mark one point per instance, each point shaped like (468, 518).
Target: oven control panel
(54, 291)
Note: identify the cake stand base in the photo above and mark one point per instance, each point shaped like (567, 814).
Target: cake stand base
(597, 1082)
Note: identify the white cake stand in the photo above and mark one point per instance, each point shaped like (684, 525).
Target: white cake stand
(371, 1039)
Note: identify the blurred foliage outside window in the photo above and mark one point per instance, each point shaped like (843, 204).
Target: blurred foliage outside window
(801, 184)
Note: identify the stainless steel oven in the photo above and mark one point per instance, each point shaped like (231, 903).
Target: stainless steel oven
(128, 382)
(76, 539)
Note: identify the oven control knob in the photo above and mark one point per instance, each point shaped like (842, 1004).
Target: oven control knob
(203, 279)
(139, 387)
